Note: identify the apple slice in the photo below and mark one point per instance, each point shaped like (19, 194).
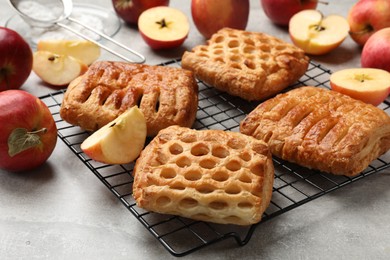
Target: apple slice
(56, 69)
(83, 50)
(316, 34)
(366, 84)
(163, 27)
(120, 141)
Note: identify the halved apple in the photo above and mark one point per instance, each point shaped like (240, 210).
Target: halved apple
(368, 85)
(56, 69)
(83, 50)
(163, 27)
(316, 34)
(120, 141)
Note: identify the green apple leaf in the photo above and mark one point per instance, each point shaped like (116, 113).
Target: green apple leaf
(20, 140)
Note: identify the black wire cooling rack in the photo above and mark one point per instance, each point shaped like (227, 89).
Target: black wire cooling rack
(293, 185)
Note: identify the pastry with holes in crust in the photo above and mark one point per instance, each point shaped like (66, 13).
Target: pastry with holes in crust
(251, 65)
(208, 175)
(321, 129)
(166, 95)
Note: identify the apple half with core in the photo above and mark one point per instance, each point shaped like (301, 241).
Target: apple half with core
(211, 16)
(371, 86)
(163, 27)
(130, 10)
(16, 59)
(85, 51)
(281, 11)
(316, 34)
(28, 133)
(366, 17)
(57, 69)
(120, 141)
(376, 51)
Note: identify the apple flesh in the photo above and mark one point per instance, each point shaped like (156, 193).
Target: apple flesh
(163, 27)
(281, 11)
(120, 141)
(371, 86)
(211, 16)
(376, 51)
(315, 34)
(85, 51)
(16, 59)
(56, 69)
(28, 133)
(366, 17)
(130, 10)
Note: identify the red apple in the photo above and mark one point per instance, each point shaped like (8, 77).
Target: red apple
(16, 59)
(163, 27)
(376, 51)
(211, 16)
(130, 10)
(366, 17)
(28, 133)
(281, 11)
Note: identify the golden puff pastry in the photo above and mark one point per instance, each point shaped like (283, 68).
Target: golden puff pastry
(166, 95)
(208, 175)
(321, 129)
(251, 65)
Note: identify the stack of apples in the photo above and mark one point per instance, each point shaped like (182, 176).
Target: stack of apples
(369, 22)
(164, 27)
(58, 62)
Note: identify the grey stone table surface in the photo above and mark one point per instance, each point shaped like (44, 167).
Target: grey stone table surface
(62, 211)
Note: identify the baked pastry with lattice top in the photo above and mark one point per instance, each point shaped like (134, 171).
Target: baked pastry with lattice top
(208, 175)
(251, 65)
(166, 95)
(321, 129)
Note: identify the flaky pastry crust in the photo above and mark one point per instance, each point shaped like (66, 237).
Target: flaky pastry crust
(209, 175)
(321, 129)
(166, 95)
(251, 65)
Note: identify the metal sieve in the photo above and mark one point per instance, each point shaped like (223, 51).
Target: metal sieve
(60, 11)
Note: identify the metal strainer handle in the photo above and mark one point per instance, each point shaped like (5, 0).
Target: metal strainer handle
(140, 56)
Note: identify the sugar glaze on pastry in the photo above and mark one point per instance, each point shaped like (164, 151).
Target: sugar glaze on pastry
(210, 175)
(251, 65)
(166, 95)
(321, 129)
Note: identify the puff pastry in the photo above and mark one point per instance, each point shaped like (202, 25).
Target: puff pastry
(209, 175)
(321, 129)
(166, 95)
(251, 65)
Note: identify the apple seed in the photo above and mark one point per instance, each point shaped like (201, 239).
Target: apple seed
(163, 23)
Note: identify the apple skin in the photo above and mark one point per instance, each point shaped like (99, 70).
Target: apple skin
(376, 51)
(16, 59)
(20, 109)
(159, 45)
(281, 11)
(130, 10)
(366, 17)
(211, 16)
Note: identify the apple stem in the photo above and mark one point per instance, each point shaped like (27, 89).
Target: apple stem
(40, 131)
